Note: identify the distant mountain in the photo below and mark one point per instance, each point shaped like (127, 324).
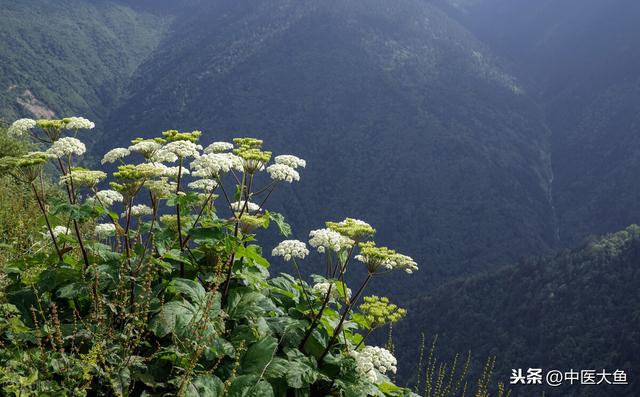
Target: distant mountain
(578, 310)
(405, 118)
(580, 58)
(70, 57)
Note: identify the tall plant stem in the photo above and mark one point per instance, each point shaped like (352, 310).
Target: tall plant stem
(195, 223)
(235, 234)
(337, 330)
(178, 215)
(304, 290)
(316, 319)
(46, 219)
(71, 195)
(363, 338)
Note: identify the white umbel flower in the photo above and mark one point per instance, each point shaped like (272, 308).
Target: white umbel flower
(206, 185)
(78, 123)
(108, 197)
(172, 172)
(146, 148)
(163, 156)
(21, 127)
(183, 149)
(290, 160)
(59, 230)
(281, 172)
(372, 360)
(141, 210)
(105, 230)
(66, 147)
(323, 239)
(213, 165)
(322, 289)
(114, 155)
(404, 262)
(237, 206)
(218, 147)
(290, 249)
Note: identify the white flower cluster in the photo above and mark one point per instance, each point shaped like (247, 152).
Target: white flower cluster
(141, 210)
(171, 172)
(58, 230)
(394, 262)
(105, 230)
(183, 149)
(108, 197)
(218, 147)
(404, 262)
(160, 187)
(146, 148)
(323, 239)
(78, 123)
(206, 185)
(82, 177)
(163, 156)
(212, 165)
(281, 172)
(21, 127)
(66, 147)
(289, 249)
(114, 155)
(239, 205)
(290, 160)
(373, 359)
(321, 289)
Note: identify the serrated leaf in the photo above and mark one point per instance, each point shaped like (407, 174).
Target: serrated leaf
(283, 227)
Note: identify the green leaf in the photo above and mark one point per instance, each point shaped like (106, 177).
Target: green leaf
(120, 381)
(258, 355)
(174, 317)
(73, 290)
(301, 370)
(249, 386)
(205, 385)
(283, 227)
(206, 234)
(189, 288)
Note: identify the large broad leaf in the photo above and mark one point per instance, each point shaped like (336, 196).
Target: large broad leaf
(174, 317)
(258, 356)
(245, 303)
(249, 386)
(188, 288)
(206, 234)
(277, 369)
(206, 385)
(73, 290)
(301, 370)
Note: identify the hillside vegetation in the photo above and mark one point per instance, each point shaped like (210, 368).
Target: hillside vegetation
(579, 309)
(71, 56)
(155, 284)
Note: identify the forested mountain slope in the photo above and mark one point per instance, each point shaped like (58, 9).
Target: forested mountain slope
(578, 310)
(580, 58)
(70, 56)
(404, 118)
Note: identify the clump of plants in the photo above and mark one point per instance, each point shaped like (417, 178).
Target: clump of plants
(150, 281)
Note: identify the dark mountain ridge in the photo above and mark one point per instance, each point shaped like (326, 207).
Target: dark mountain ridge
(576, 310)
(404, 117)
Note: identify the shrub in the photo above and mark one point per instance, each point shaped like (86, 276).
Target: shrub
(156, 286)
